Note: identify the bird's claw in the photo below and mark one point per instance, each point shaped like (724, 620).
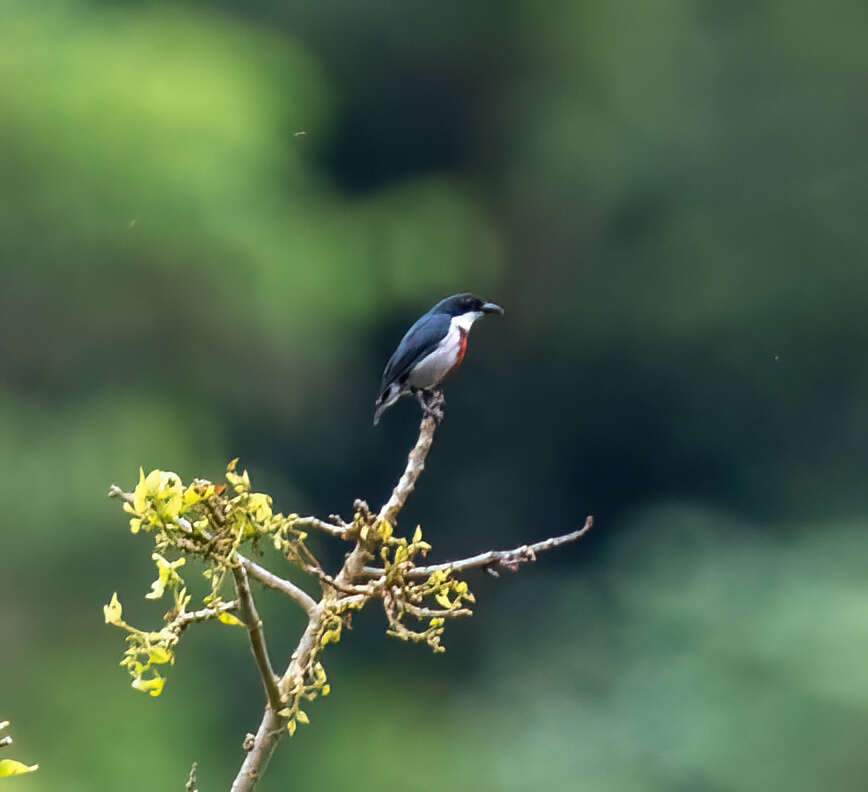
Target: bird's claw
(433, 403)
(434, 412)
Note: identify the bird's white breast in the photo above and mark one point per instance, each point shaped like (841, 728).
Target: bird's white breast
(431, 369)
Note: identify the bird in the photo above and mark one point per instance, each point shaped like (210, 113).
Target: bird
(429, 351)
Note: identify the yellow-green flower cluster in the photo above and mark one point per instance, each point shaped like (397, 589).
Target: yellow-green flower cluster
(406, 597)
(397, 553)
(145, 650)
(206, 520)
(447, 592)
(318, 687)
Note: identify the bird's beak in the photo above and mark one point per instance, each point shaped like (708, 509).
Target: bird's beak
(491, 307)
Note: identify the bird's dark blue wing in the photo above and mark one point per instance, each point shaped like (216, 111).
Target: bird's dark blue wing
(421, 339)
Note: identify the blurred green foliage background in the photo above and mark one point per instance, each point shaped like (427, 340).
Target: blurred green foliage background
(216, 220)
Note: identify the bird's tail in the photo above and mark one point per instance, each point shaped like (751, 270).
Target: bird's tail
(385, 400)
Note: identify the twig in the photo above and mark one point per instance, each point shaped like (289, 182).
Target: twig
(116, 492)
(348, 602)
(280, 584)
(321, 525)
(192, 784)
(508, 559)
(203, 614)
(345, 588)
(431, 613)
(257, 638)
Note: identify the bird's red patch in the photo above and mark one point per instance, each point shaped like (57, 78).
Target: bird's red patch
(459, 356)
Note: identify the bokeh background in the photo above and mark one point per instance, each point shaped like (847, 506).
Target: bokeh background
(216, 220)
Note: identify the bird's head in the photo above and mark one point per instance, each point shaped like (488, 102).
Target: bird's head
(466, 305)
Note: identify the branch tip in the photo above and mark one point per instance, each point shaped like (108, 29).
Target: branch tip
(492, 559)
(192, 784)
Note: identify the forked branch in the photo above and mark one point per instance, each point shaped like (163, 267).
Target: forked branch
(212, 522)
(353, 571)
(277, 583)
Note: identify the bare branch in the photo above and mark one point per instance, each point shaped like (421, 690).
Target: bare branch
(257, 638)
(192, 784)
(431, 613)
(203, 614)
(507, 559)
(351, 601)
(280, 584)
(300, 662)
(321, 525)
(345, 588)
(415, 466)
(355, 561)
(253, 767)
(116, 492)
(271, 727)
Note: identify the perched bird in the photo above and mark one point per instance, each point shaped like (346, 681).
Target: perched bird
(430, 350)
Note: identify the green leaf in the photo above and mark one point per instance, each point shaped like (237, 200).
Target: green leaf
(240, 483)
(158, 654)
(197, 491)
(260, 505)
(151, 686)
(9, 767)
(153, 479)
(113, 611)
(230, 618)
(290, 727)
(165, 574)
(330, 636)
(139, 494)
(301, 716)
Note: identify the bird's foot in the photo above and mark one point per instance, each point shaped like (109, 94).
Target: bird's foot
(433, 403)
